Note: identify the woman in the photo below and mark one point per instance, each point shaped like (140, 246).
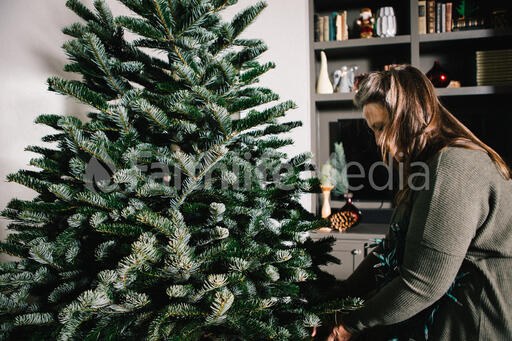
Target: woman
(445, 270)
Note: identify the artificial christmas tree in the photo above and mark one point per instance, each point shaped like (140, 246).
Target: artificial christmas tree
(166, 216)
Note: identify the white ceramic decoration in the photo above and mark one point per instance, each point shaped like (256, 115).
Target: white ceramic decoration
(345, 79)
(323, 85)
(352, 76)
(336, 77)
(386, 22)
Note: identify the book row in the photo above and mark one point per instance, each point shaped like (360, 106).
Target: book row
(331, 27)
(435, 17)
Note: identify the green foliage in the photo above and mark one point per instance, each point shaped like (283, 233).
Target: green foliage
(334, 171)
(339, 164)
(166, 216)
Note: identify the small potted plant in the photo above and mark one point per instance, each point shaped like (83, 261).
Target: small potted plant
(349, 215)
(327, 185)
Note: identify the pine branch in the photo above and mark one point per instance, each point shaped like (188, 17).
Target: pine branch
(82, 11)
(33, 319)
(29, 179)
(250, 97)
(43, 253)
(46, 165)
(211, 157)
(255, 118)
(115, 229)
(160, 223)
(247, 54)
(49, 153)
(165, 17)
(104, 14)
(97, 49)
(14, 249)
(198, 16)
(151, 113)
(246, 17)
(220, 305)
(141, 27)
(75, 30)
(49, 120)
(79, 91)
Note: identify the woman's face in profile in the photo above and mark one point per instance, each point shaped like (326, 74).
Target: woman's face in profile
(376, 117)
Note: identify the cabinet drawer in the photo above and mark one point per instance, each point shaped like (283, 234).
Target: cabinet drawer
(350, 253)
(351, 248)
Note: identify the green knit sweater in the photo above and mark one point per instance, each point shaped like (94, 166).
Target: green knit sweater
(461, 224)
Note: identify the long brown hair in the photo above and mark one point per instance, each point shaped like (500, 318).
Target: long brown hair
(420, 126)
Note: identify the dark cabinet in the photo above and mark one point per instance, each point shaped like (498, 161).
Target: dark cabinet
(351, 247)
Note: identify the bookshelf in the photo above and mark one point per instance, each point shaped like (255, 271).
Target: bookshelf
(484, 109)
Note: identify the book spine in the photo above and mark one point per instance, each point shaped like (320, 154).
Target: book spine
(345, 26)
(443, 18)
(332, 26)
(438, 17)
(422, 17)
(316, 31)
(449, 9)
(326, 28)
(329, 28)
(320, 28)
(342, 16)
(431, 16)
(338, 27)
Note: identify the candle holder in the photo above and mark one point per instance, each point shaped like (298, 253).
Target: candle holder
(326, 197)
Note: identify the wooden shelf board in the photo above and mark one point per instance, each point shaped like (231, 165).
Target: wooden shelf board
(361, 231)
(461, 35)
(442, 92)
(474, 90)
(335, 97)
(362, 42)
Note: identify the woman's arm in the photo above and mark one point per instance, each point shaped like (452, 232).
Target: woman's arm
(443, 221)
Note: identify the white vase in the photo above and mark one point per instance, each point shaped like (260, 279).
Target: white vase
(386, 22)
(323, 85)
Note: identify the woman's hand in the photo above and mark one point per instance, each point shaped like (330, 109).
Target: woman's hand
(339, 333)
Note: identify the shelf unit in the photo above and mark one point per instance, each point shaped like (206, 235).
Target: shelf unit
(484, 109)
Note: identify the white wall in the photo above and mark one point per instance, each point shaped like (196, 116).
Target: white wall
(283, 25)
(30, 52)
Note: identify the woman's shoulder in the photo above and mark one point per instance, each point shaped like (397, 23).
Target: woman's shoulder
(461, 156)
(457, 161)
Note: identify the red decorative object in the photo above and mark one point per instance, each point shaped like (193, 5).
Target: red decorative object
(438, 76)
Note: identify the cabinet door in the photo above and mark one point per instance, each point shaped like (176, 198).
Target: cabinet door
(350, 253)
